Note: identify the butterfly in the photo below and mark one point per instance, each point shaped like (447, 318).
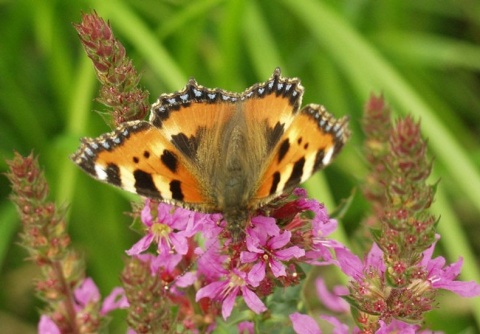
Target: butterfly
(211, 150)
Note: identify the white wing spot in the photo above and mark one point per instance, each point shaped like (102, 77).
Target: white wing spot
(328, 156)
(101, 174)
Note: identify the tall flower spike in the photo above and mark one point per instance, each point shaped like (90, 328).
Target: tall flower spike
(45, 237)
(150, 308)
(114, 70)
(402, 227)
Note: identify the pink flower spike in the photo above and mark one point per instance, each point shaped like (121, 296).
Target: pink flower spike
(47, 326)
(304, 324)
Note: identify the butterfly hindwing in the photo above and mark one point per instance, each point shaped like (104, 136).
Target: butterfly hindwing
(312, 140)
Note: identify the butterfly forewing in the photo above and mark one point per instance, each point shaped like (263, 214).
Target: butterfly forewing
(137, 157)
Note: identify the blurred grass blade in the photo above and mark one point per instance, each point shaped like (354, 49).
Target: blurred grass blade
(256, 33)
(130, 28)
(431, 50)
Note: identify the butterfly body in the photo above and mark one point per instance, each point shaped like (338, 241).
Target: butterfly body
(215, 151)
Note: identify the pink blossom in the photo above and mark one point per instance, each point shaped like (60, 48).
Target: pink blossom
(226, 291)
(169, 230)
(87, 293)
(322, 226)
(441, 277)
(268, 251)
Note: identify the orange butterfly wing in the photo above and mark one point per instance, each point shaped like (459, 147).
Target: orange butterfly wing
(309, 144)
(158, 159)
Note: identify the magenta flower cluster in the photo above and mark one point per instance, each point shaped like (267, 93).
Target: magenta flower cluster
(226, 270)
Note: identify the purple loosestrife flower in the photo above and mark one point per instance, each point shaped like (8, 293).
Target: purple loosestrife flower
(305, 324)
(170, 229)
(87, 298)
(310, 225)
(321, 247)
(165, 265)
(87, 293)
(441, 277)
(370, 293)
(264, 250)
(226, 291)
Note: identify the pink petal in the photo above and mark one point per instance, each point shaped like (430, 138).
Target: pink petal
(186, 279)
(115, 300)
(349, 263)
(453, 270)
(87, 292)
(331, 300)
(47, 326)
(257, 273)
(267, 224)
(304, 324)
(141, 245)
(375, 258)
(255, 239)
(323, 226)
(246, 327)
(252, 301)
(146, 215)
(280, 240)
(287, 253)
(228, 303)
(278, 269)
(464, 289)
(248, 257)
(179, 242)
(211, 290)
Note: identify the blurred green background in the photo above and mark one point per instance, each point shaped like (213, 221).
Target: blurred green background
(424, 56)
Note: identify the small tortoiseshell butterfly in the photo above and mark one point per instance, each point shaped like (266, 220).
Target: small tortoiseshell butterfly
(211, 150)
